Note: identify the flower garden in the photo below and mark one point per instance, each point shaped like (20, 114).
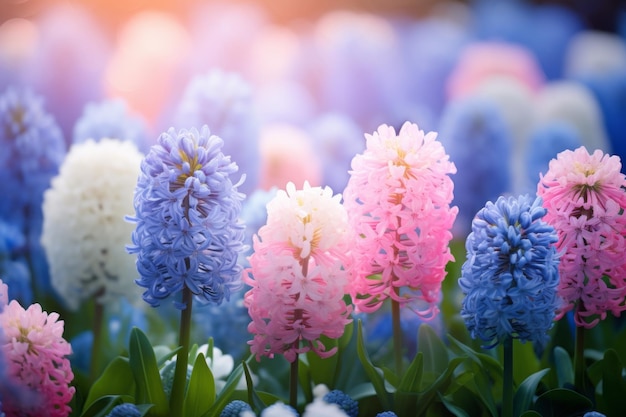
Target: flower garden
(355, 215)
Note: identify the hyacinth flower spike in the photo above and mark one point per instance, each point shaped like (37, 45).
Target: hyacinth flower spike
(298, 276)
(510, 279)
(398, 202)
(585, 194)
(188, 235)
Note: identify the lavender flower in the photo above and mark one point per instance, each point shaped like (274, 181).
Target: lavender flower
(188, 232)
(223, 101)
(109, 119)
(511, 274)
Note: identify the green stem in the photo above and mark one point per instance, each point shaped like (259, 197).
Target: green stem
(98, 319)
(397, 334)
(579, 359)
(180, 373)
(293, 384)
(507, 388)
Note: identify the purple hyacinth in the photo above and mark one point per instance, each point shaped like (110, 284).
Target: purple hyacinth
(188, 233)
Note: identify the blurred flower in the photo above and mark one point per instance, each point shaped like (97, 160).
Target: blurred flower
(125, 410)
(280, 409)
(32, 151)
(299, 274)
(544, 144)
(475, 133)
(288, 154)
(337, 139)
(344, 401)
(511, 273)
(13, 265)
(188, 233)
(593, 52)
(223, 101)
(398, 203)
(36, 354)
(585, 197)
(110, 119)
(84, 231)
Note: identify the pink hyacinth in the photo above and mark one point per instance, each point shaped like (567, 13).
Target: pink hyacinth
(585, 196)
(299, 274)
(36, 357)
(398, 202)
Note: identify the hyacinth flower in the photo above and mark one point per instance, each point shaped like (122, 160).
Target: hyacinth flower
(187, 233)
(510, 279)
(32, 151)
(298, 276)
(13, 265)
(398, 203)
(224, 102)
(110, 119)
(36, 373)
(84, 231)
(585, 196)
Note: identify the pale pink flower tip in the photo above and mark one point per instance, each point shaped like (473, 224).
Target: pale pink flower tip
(398, 202)
(299, 274)
(585, 195)
(36, 356)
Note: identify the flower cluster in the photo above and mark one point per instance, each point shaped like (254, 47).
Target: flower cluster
(188, 233)
(585, 195)
(36, 361)
(398, 202)
(84, 231)
(511, 274)
(299, 274)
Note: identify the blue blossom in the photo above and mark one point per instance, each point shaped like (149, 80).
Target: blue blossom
(125, 410)
(387, 414)
(13, 266)
(110, 119)
(347, 404)
(234, 408)
(474, 132)
(223, 102)
(511, 275)
(188, 233)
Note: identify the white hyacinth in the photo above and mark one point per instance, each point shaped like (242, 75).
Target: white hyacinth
(84, 231)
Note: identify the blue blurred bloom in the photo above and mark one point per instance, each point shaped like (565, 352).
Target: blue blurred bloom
(110, 119)
(234, 408)
(544, 144)
(475, 134)
(511, 275)
(223, 102)
(188, 232)
(125, 410)
(387, 414)
(13, 266)
(347, 404)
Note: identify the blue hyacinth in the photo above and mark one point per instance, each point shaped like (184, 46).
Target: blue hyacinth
(109, 119)
(13, 266)
(511, 275)
(234, 408)
(347, 404)
(188, 233)
(387, 414)
(125, 410)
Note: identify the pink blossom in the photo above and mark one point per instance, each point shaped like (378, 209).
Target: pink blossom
(36, 357)
(299, 274)
(585, 197)
(398, 202)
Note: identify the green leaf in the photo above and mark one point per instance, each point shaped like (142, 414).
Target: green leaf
(144, 367)
(531, 413)
(453, 408)
(374, 374)
(223, 397)
(563, 367)
(435, 352)
(412, 378)
(562, 402)
(323, 370)
(613, 387)
(116, 379)
(253, 398)
(201, 390)
(526, 392)
(102, 406)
